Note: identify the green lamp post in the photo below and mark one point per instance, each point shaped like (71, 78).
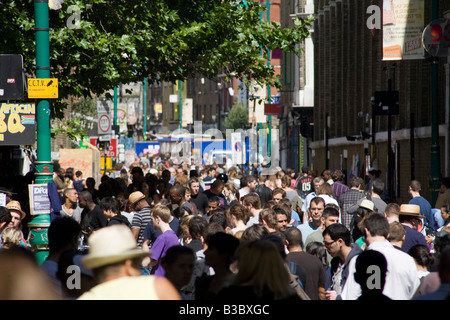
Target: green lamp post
(44, 166)
(435, 168)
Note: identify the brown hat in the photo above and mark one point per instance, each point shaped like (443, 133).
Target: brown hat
(15, 206)
(135, 197)
(410, 210)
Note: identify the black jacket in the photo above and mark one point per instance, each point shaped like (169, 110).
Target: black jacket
(119, 219)
(264, 193)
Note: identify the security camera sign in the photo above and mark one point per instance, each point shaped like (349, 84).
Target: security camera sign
(45, 88)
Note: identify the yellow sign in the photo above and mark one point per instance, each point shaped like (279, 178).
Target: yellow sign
(45, 88)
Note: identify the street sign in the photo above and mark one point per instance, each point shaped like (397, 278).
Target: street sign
(42, 88)
(112, 150)
(104, 124)
(436, 38)
(238, 148)
(103, 138)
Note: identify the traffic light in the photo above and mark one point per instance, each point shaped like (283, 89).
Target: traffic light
(130, 130)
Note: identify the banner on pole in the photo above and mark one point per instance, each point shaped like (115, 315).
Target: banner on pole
(403, 23)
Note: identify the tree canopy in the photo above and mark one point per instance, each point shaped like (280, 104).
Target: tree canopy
(237, 118)
(116, 41)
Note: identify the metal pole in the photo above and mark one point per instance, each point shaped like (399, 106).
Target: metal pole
(269, 120)
(180, 115)
(145, 108)
(44, 165)
(435, 165)
(219, 113)
(115, 106)
(389, 145)
(411, 142)
(326, 142)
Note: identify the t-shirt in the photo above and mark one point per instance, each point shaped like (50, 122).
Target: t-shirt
(76, 214)
(78, 185)
(425, 210)
(124, 288)
(201, 202)
(162, 244)
(379, 204)
(93, 220)
(306, 230)
(140, 220)
(209, 194)
(98, 218)
(412, 237)
(151, 233)
(316, 275)
(253, 220)
(304, 186)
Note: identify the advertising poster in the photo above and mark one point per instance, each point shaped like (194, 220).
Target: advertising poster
(39, 200)
(17, 124)
(403, 23)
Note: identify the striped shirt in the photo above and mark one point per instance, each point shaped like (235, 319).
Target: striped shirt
(140, 220)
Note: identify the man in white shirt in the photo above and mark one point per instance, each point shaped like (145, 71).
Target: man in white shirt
(252, 203)
(250, 186)
(401, 278)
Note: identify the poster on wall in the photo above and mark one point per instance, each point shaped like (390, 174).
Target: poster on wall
(403, 23)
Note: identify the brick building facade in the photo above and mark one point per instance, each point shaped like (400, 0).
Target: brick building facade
(348, 69)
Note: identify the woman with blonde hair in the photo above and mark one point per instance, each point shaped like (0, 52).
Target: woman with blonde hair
(11, 237)
(261, 274)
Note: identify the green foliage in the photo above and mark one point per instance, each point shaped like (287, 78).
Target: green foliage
(120, 41)
(237, 118)
(71, 128)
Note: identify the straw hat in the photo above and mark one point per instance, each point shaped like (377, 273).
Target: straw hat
(362, 203)
(367, 204)
(15, 206)
(135, 197)
(111, 245)
(411, 210)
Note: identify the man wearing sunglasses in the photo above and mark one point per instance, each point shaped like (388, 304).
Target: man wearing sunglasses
(337, 242)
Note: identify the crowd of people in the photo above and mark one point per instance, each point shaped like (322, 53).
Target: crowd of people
(161, 230)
